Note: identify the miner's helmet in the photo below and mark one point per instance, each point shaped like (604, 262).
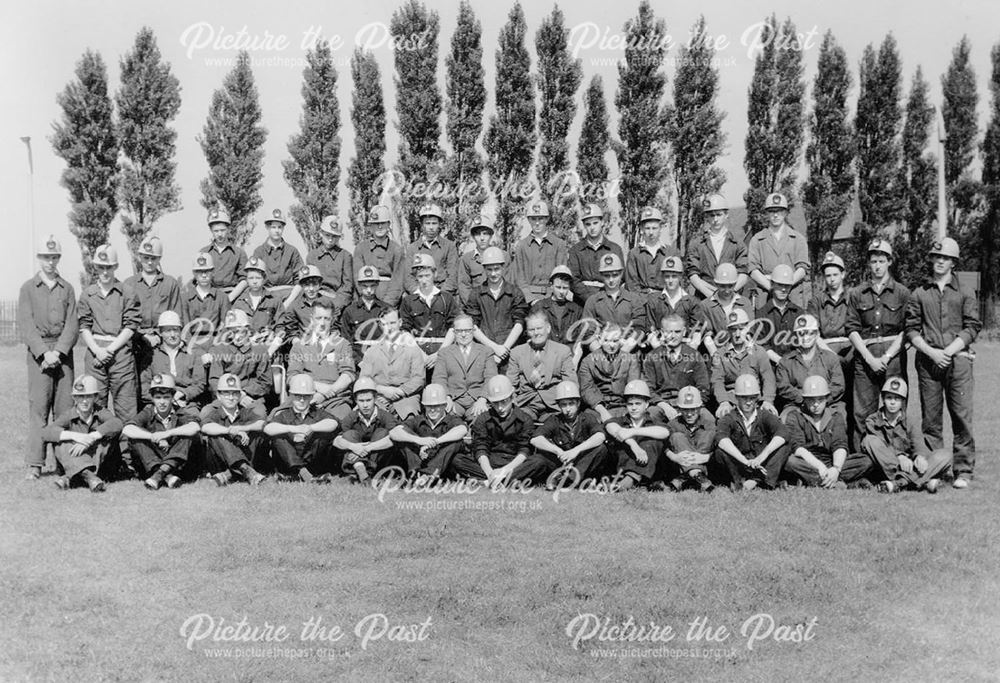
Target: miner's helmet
(689, 397)
(714, 202)
(494, 256)
(499, 388)
(218, 215)
(806, 323)
(482, 223)
(537, 209)
(379, 214)
(423, 261)
(945, 247)
(610, 263)
(432, 210)
(434, 395)
(737, 318)
(746, 385)
(162, 382)
(815, 386)
(672, 264)
(85, 385)
(776, 201)
(151, 246)
(49, 247)
(895, 385)
(236, 318)
(591, 211)
(650, 213)
(364, 384)
(725, 274)
(831, 259)
(168, 319)
(637, 387)
(880, 246)
(331, 226)
(309, 273)
(275, 217)
(202, 261)
(105, 255)
(369, 274)
(783, 275)
(228, 382)
(302, 385)
(567, 390)
(256, 263)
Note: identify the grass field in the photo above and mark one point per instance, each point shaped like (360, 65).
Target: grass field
(110, 587)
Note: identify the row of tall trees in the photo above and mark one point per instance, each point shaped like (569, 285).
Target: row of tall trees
(666, 148)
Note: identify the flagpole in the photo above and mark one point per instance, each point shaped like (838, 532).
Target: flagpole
(942, 196)
(31, 205)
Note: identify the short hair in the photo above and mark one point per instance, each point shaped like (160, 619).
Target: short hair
(387, 311)
(324, 302)
(673, 318)
(463, 316)
(612, 327)
(537, 315)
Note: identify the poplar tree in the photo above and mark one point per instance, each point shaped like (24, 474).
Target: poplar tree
(368, 119)
(148, 101)
(466, 90)
(511, 137)
(313, 171)
(558, 78)
(642, 146)
(776, 117)
(86, 139)
(418, 103)
(233, 144)
(695, 129)
(829, 191)
(991, 182)
(592, 150)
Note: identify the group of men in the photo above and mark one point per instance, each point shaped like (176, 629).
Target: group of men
(560, 364)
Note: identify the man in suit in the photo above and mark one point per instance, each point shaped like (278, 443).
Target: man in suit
(463, 369)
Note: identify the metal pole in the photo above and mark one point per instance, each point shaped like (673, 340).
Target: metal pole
(942, 195)
(31, 206)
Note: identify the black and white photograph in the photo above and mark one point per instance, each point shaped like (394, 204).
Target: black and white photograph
(457, 340)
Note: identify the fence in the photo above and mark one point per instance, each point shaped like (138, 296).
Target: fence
(8, 323)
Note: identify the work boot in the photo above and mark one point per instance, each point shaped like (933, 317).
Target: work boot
(305, 475)
(154, 482)
(94, 483)
(677, 484)
(173, 481)
(223, 478)
(932, 485)
(362, 472)
(62, 483)
(703, 482)
(253, 477)
(34, 473)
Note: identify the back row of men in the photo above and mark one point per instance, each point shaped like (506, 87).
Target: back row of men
(586, 300)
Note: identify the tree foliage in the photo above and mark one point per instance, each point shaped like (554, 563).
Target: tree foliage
(368, 118)
(558, 79)
(642, 129)
(415, 29)
(86, 139)
(829, 191)
(466, 90)
(233, 144)
(148, 101)
(991, 185)
(593, 146)
(694, 129)
(776, 117)
(313, 171)
(511, 136)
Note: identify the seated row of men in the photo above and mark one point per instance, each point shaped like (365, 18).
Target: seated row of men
(748, 447)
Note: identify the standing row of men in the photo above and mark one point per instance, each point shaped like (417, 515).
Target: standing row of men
(121, 323)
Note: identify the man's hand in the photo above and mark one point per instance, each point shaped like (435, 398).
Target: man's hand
(876, 364)
(478, 408)
(905, 464)
(640, 454)
(773, 356)
(920, 464)
(829, 476)
(391, 393)
(163, 444)
(103, 356)
(769, 407)
(668, 410)
(206, 359)
(500, 352)
(152, 339)
(725, 408)
(430, 360)
(939, 358)
(51, 359)
(77, 449)
(946, 359)
(602, 412)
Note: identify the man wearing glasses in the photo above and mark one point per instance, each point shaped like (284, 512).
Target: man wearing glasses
(463, 369)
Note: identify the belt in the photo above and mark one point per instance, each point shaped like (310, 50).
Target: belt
(384, 278)
(592, 283)
(880, 340)
(104, 337)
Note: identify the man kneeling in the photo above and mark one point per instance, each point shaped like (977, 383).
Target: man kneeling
(817, 436)
(161, 436)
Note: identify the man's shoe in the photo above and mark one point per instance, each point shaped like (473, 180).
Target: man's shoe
(173, 481)
(749, 485)
(676, 484)
(839, 485)
(932, 485)
(324, 478)
(34, 473)
(152, 483)
(223, 478)
(253, 477)
(704, 484)
(886, 487)
(62, 483)
(95, 483)
(624, 485)
(305, 475)
(960, 483)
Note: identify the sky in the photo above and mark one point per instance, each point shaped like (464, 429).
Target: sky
(41, 42)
